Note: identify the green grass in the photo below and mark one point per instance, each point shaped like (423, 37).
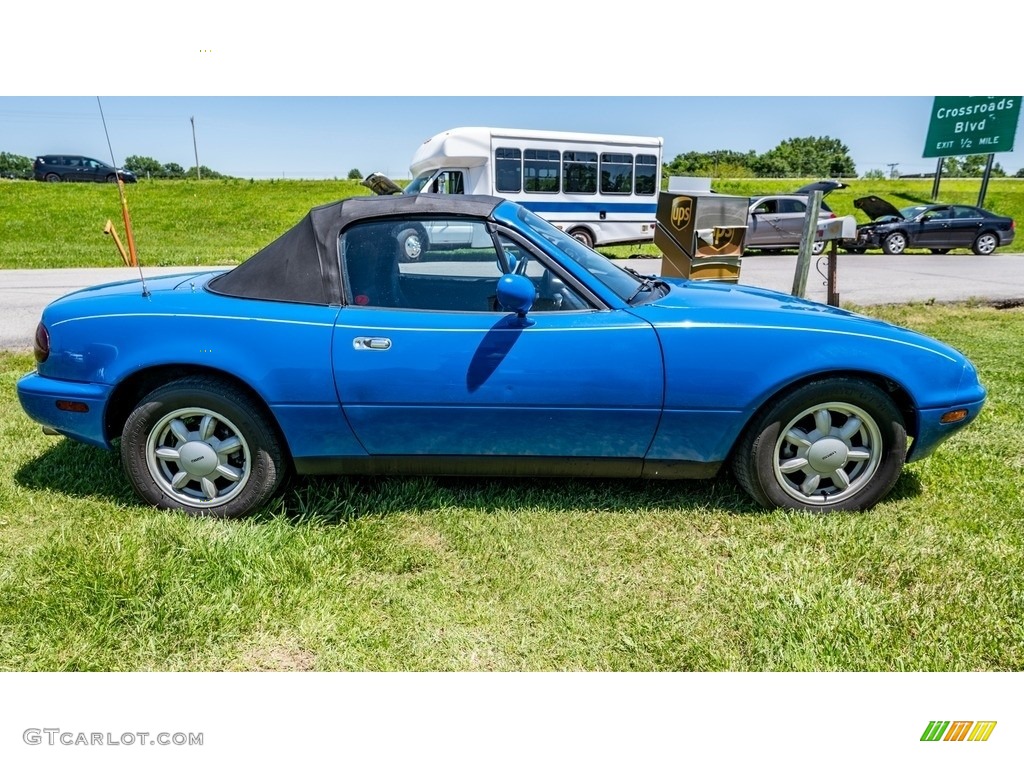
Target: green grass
(183, 223)
(215, 222)
(437, 574)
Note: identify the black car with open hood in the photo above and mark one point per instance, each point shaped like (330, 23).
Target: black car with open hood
(939, 227)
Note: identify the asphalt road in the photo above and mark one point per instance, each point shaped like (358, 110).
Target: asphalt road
(862, 279)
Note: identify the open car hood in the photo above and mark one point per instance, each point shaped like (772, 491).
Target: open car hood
(824, 186)
(381, 184)
(876, 207)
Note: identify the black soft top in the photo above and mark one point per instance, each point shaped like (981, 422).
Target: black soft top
(302, 265)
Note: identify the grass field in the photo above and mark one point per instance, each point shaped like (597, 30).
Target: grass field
(190, 223)
(436, 574)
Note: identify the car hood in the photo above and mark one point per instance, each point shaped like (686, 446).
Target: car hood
(824, 186)
(381, 184)
(876, 207)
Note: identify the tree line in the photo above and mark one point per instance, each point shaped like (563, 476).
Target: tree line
(14, 166)
(813, 156)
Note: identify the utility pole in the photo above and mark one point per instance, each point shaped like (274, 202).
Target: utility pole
(195, 147)
(892, 169)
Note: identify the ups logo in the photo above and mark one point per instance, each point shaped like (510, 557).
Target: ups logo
(722, 239)
(682, 212)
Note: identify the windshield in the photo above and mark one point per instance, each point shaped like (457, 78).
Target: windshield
(619, 281)
(416, 185)
(911, 211)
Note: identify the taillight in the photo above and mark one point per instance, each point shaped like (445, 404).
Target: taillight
(41, 344)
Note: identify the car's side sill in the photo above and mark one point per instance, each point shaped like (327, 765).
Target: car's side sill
(506, 466)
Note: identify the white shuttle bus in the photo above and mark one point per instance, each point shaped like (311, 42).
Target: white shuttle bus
(600, 188)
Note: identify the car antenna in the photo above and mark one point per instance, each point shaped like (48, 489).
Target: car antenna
(133, 258)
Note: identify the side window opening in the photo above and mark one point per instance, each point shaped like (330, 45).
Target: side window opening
(456, 267)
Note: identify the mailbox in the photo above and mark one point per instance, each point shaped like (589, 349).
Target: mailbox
(701, 235)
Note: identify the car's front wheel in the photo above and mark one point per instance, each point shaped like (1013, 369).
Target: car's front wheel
(985, 243)
(835, 444)
(818, 248)
(895, 244)
(202, 446)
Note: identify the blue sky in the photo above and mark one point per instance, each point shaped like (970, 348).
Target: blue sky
(326, 136)
(314, 90)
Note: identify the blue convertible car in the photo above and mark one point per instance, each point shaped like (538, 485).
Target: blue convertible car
(511, 350)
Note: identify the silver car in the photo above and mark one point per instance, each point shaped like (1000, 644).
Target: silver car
(776, 222)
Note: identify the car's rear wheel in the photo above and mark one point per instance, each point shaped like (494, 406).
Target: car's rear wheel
(836, 444)
(939, 251)
(584, 236)
(202, 446)
(412, 242)
(895, 244)
(52, 177)
(985, 243)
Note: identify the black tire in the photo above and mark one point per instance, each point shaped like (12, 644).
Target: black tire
(801, 450)
(52, 177)
(894, 244)
(412, 244)
(111, 178)
(940, 251)
(584, 236)
(985, 243)
(206, 423)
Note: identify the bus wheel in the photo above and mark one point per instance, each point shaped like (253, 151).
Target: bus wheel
(584, 237)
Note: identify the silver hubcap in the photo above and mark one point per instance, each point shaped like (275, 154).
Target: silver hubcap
(827, 454)
(897, 243)
(198, 457)
(413, 248)
(986, 244)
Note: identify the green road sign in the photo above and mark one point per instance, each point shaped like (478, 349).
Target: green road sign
(972, 125)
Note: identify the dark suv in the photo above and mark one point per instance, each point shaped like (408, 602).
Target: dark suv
(76, 168)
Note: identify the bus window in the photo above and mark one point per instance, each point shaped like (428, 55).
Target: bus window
(580, 170)
(646, 174)
(541, 170)
(616, 173)
(508, 170)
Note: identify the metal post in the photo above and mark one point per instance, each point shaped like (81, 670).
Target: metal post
(938, 178)
(984, 181)
(195, 147)
(833, 288)
(803, 259)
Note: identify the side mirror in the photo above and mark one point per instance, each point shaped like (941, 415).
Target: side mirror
(516, 294)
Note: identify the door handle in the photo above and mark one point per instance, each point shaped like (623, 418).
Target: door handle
(378, 343)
